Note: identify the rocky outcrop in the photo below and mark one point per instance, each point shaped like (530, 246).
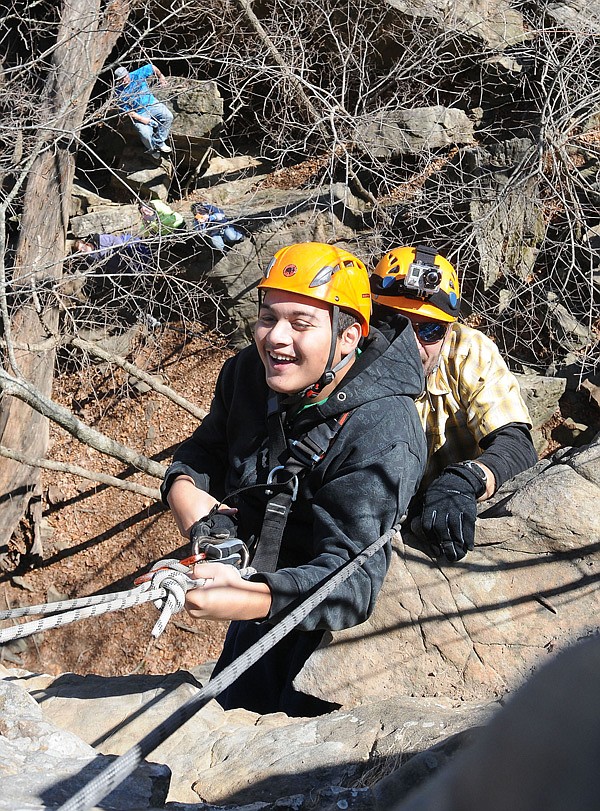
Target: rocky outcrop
(43, 765)
(540, 751)
(274, 755)
(512, 212)
(398, 132)
(106, 218)
(445, 644)
(477, 628)
(497, 24)
(272, 219)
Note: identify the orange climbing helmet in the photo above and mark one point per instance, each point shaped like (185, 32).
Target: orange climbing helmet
(417, 280)
(323, 272)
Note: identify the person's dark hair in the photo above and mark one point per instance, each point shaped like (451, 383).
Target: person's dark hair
(198, 208)
(346, 320)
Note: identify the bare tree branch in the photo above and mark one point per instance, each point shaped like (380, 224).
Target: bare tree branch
(76, 470)
(134, 370)
(27, 393)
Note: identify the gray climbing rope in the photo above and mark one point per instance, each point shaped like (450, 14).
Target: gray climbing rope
(166, 587)
(101, 785)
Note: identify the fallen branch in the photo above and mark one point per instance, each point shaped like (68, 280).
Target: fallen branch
(24, 391)
(65, 467)
(134, 370)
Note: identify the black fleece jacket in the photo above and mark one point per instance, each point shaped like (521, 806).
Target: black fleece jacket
(356, 493)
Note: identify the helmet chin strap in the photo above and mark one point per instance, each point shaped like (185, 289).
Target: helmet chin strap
(330, 372)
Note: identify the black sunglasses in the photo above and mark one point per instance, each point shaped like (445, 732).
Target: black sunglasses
(429, 332)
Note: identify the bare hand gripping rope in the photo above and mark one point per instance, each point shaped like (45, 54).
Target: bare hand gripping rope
(98, 788)
(165, 585)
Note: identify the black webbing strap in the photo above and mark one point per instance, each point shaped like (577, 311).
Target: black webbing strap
(280, 503)
(303, 455)
(425, 254)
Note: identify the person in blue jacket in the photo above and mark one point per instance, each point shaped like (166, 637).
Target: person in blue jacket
(115, 252)
(215, 226)
(315, 362)
(151, 118)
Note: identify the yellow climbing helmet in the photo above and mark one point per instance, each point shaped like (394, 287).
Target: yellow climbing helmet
(417, 280)
(323, 272)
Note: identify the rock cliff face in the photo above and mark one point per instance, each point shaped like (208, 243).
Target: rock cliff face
(460, 134)
(434, 663)
(533, 587)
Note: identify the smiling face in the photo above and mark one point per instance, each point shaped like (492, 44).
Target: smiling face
(293, 338)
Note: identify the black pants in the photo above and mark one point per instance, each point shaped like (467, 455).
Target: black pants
(267, 686)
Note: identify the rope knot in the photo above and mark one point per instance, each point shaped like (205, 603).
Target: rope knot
(171, 576)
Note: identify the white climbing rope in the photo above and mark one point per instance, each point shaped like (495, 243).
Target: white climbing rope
(166, 587)
(100, 786)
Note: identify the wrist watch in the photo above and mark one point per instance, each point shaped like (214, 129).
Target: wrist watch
(478, 471)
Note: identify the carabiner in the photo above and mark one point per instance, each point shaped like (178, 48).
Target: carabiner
(293, 479)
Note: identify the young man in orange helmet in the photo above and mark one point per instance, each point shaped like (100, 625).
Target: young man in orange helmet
(477, 425)
(315, 367)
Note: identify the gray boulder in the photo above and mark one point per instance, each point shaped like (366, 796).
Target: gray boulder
(577, 15)
(496, 23)
(391, 133)
(477, 628)
(106, 219)
(43, 765)
(541, 395)
(540, 751)
(83, 200)
(140, 174)
(197, 108)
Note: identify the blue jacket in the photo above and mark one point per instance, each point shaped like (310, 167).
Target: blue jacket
(136, 96)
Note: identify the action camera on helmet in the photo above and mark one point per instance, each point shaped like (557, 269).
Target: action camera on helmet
(423, 278)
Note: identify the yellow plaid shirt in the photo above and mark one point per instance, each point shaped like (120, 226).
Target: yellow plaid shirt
(471, 394)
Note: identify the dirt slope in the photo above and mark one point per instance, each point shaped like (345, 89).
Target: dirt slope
(101, 538)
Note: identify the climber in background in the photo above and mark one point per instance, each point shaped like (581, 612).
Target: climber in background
(215, 226)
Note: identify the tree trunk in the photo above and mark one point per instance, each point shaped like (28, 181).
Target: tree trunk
(84, 39)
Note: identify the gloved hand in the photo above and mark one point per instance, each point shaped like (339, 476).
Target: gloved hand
(229, 550)
(214, 535)
(214, 525)
(449, 511)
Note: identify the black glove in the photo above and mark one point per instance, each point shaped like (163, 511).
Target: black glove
(214, 535)
(214, 525)
(449, 512)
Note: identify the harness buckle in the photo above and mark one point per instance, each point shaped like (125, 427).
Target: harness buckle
(305, 453)
(293, 480)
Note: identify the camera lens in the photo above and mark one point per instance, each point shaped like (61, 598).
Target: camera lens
(432, 279)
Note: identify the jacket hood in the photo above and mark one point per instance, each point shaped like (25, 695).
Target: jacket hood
(388, 365)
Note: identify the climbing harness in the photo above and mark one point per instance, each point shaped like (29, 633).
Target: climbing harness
(302, 456)
(101, 785)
